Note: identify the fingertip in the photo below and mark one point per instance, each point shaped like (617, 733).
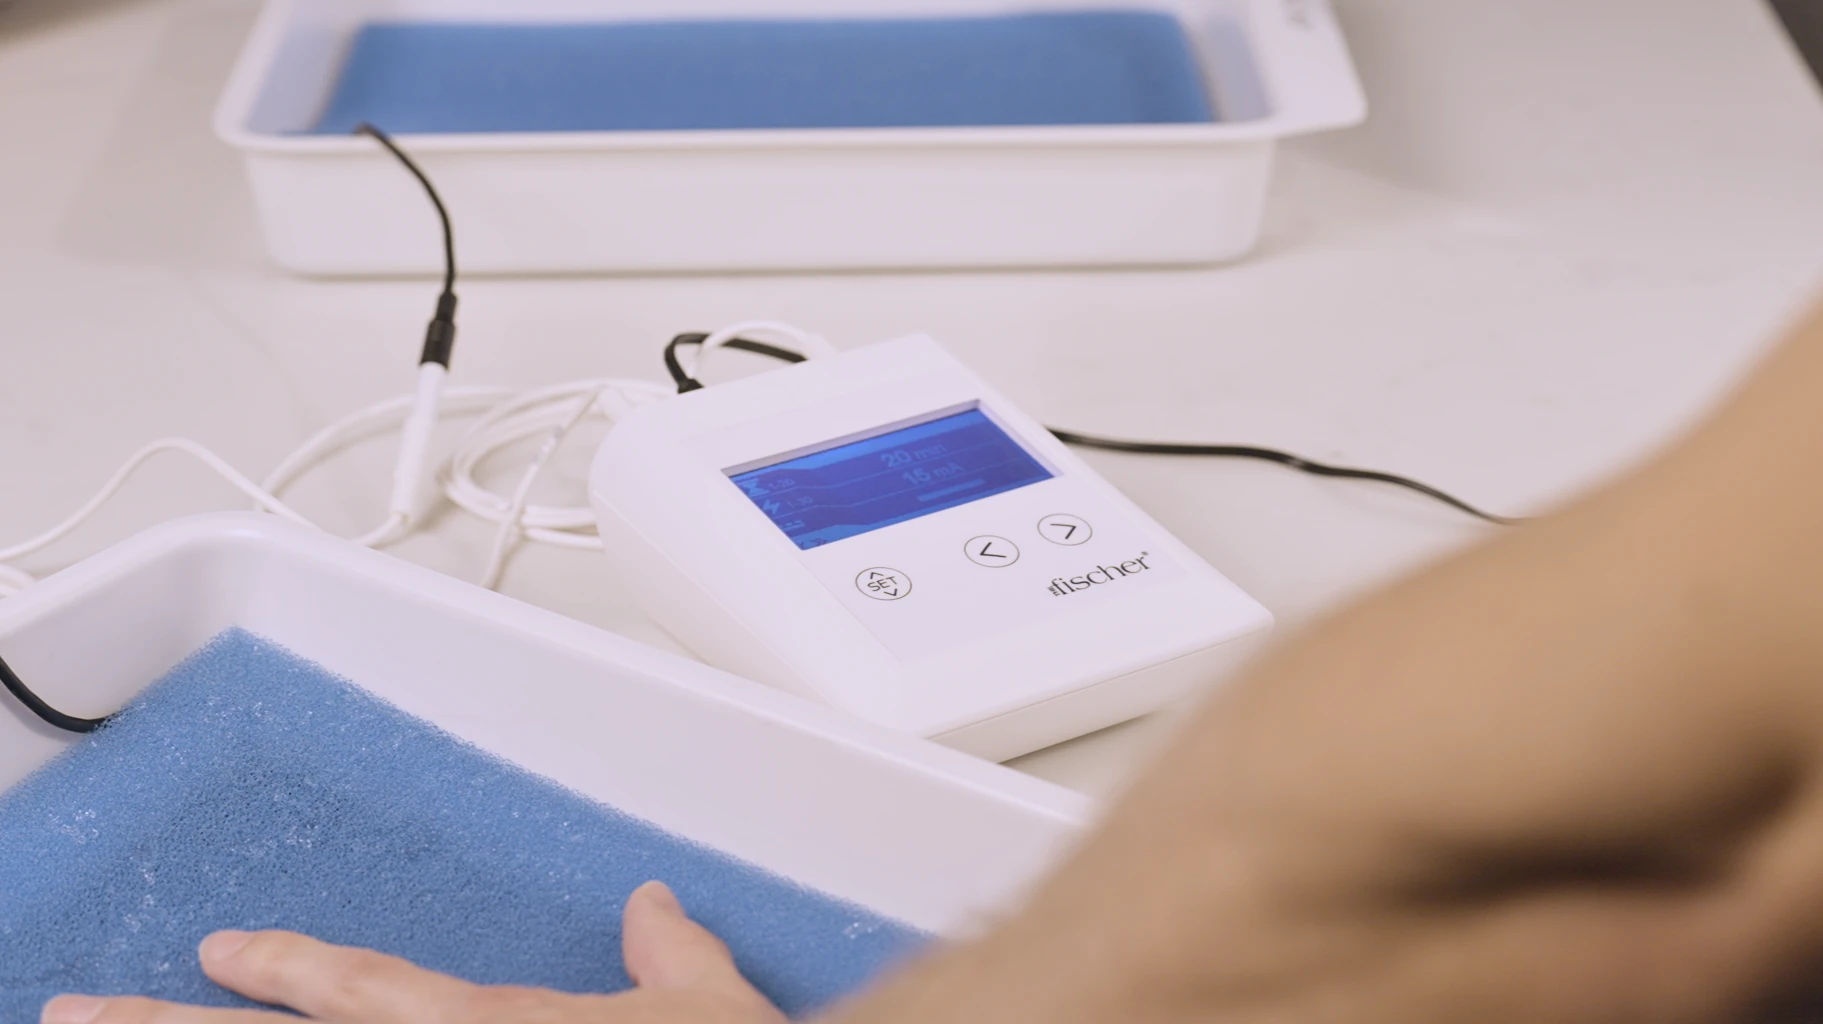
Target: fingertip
(72, 1010)
(237, 960)
(222, 947)
(663, 947)
(658, 896)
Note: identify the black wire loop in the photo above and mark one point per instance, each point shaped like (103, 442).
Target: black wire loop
(50, 715)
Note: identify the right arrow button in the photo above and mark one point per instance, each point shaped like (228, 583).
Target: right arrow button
(1066, 530)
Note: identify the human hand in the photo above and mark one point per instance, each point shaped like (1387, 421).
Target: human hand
(685, 976)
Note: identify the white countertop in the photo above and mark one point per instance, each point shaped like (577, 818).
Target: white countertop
(1567, 226)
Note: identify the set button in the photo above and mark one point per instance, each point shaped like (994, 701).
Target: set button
(1067, 530)
(883, 584)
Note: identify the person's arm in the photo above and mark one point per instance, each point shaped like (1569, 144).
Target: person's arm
(1570, 775)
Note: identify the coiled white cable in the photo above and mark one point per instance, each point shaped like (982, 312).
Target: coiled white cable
(373, 420)
(812, 346)
(550, 411)
(508, 417)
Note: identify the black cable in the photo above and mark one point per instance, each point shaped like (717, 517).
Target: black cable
(68, 723)
(440, 335)
(686, 383)
(439, 342)
(1229, 451)
(440, 338)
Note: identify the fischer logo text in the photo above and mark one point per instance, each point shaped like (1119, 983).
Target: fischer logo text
(1100, 575)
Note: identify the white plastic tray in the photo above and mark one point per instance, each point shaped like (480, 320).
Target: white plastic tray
(908, 828)
(775, 200)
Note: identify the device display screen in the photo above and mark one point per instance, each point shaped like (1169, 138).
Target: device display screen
(860, 486)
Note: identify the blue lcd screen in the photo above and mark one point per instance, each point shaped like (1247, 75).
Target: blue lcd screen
(864, 485)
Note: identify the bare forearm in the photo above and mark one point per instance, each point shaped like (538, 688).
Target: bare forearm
(1620, 690)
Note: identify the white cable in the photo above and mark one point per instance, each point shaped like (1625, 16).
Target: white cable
(512, 524)
(14, 580)
(265, 499)
(811, 346)
(509, 417)
(550, 412)
(375, 419)
(409, 471)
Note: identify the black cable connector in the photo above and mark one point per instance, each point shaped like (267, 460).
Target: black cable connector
(440, 335)
(50, 715)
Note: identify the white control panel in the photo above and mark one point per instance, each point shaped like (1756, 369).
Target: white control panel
(882, 531)
(995, 568)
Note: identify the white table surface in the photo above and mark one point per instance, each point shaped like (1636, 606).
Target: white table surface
(1567, 227)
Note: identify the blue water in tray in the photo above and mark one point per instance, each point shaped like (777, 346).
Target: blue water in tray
(1048, 68)
(251, 789)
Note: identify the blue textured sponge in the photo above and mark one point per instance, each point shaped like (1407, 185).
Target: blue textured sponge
(1048, 68)
(251, 789)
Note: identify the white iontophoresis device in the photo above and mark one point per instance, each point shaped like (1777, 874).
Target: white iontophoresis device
(882, 531)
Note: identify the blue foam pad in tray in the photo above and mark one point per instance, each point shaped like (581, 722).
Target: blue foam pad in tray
(251, 789)
(1048, 68)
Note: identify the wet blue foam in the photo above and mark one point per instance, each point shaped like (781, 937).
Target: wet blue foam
(251, 789)
(1047, 68)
